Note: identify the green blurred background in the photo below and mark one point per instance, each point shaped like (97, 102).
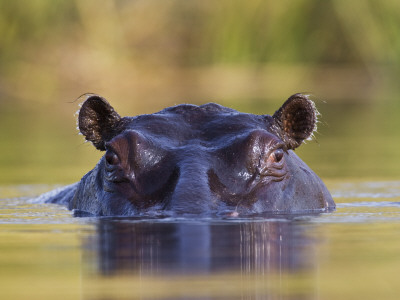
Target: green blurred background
(251, 55)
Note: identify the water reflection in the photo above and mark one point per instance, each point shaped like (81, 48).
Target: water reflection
(156, 248)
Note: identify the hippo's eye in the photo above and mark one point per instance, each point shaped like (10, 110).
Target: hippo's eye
(273, 164)
(111, 158)
(277, 155)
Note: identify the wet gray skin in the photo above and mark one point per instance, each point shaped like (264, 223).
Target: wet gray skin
(197, 160)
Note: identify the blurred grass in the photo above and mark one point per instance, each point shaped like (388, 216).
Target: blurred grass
(168, 50)
(206, 32)
(147, 54)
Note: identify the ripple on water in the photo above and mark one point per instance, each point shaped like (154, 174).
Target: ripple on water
(370, 189)
(356, 202)
(360, 202)
(18, 206)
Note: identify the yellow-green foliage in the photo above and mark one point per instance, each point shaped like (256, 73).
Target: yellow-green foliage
(208, 32)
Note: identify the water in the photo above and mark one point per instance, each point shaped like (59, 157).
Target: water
(353, 253)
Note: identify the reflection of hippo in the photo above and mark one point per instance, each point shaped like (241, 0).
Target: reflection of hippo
(191, 159)
(158, 248)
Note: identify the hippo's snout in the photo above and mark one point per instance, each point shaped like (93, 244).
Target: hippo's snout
(192, 192)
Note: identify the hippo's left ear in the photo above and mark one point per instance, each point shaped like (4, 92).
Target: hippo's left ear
(98, 121)
(296, 120)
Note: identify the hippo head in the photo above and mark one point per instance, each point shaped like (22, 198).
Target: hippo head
(205, 159)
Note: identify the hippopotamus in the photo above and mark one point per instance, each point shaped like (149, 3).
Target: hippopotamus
(197, 160)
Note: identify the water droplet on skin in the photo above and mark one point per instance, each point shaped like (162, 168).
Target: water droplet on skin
(233, 214)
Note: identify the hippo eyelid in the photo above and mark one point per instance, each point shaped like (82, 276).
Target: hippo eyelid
(109, 146)
(275, 146)
(265, 165)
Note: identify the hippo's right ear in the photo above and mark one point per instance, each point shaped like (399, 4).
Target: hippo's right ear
(98, 121)
(296, 120)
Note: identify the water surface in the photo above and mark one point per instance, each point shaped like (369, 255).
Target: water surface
(353, 253)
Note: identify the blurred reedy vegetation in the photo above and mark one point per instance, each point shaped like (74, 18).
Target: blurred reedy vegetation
(166, 51)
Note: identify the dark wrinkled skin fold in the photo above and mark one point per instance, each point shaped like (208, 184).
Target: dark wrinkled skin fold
(192, 160)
